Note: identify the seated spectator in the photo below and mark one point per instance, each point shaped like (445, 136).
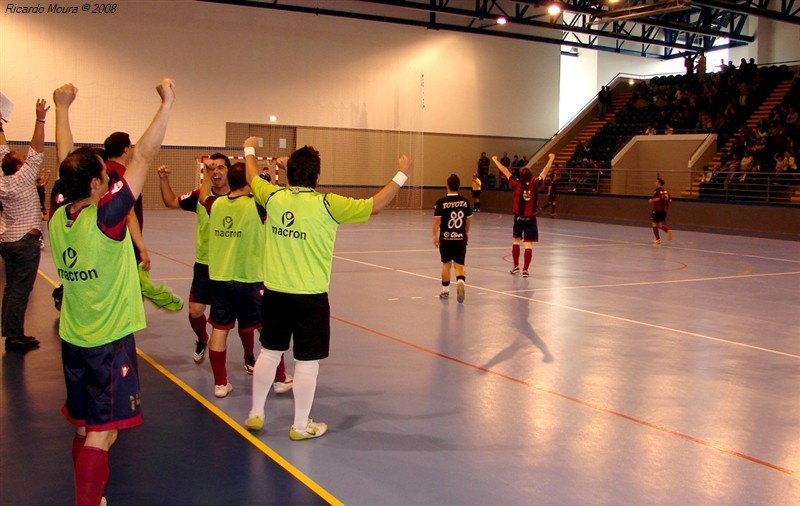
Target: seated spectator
(747, 162)
(792, 117)
(706, 175)
(791, 163)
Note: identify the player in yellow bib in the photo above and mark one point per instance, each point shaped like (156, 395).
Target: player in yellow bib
(300, 234)
(102, 306)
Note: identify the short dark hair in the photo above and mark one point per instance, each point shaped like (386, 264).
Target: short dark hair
(525, 175)
(453, 183)
(303, 167)
(237, 176)
(660, 181)
(220, 156)
(116, 143)
(11, 163)
(77, 171)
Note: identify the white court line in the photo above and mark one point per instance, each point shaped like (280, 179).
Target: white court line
(614, 285)
(613, 242)
(595, 313)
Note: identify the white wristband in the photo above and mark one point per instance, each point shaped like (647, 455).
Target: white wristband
(400, 178)
(249, 151)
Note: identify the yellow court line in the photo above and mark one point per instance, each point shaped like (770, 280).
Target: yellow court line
(266, 450)
(48, 279)
(269, 452)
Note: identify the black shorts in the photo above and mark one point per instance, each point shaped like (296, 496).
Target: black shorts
(102, 385)
(525, 227)
(476, 194)
(303, 318)
(201, 285)
(233, 301)
(658, 216)
(453, 251)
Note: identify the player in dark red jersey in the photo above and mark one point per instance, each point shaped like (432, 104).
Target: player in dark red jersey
(552, 193)
(658, 217)
(119, 153)
(526, 193)
(451, 220)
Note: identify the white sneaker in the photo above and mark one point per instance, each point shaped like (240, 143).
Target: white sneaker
(313, 430)
(283, 387)
(222, 390)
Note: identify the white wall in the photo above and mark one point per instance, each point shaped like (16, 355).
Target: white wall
(777, 42)
(242, 64)
(576, 89)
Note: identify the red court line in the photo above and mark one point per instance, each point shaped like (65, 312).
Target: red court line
(707, 444)
(191, 266)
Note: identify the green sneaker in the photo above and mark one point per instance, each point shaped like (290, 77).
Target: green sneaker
(314, 429)
(254, 423)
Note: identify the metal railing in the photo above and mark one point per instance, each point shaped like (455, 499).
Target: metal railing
(764, 187)
(770, 187)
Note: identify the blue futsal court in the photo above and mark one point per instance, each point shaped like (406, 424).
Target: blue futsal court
(618, 373)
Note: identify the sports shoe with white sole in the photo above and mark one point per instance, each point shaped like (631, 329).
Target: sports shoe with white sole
(514, 271)
(222, 390)
(199, 352)
(254, 423)
(281, 387)
(313, 430)
(524, 274)
(656, 242)
(444, 295)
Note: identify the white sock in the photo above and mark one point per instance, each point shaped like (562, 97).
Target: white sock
(263, 376)
(304, 388)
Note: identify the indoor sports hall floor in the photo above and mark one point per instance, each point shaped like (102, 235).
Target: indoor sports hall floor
(618, 373)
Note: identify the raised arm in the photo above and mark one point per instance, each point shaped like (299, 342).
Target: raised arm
(167, 195)
(380, 200)
(37, 141)
(63, 97)
(502, 168)
(549, 164)
(251, 167)
(150, 142)
(205, 189)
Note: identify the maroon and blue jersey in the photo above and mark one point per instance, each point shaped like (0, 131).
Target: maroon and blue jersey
(116, 171)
